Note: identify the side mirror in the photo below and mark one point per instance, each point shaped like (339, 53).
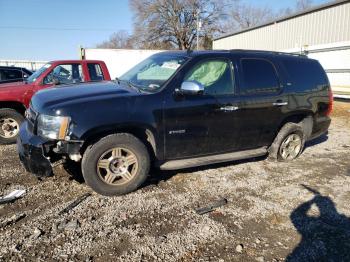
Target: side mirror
(192, 88)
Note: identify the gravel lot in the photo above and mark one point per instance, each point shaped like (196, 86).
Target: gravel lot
(270, 215)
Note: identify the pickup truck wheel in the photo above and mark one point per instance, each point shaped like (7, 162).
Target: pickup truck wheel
(288, 144)
(117, 164)
(10, 121)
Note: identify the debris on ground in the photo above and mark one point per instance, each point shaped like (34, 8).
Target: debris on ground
(12, 220)
(239, 248)
(37, 233)
(67, 225)
(12, 196)
(211, 207)
(74, 203)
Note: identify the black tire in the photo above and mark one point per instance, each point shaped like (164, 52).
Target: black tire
(16, 118)
(287, 130)
(94, 153)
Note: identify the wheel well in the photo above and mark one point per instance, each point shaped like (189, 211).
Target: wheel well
(19, 107)
(306, 120)
(145, 135)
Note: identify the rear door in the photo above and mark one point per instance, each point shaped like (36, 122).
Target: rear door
(261, 101)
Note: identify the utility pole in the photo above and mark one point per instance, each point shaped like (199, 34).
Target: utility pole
(199, 26)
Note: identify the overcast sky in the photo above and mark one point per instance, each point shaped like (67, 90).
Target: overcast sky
(49, 30)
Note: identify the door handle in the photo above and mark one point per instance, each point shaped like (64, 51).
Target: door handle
(229, 108)
(280, 103)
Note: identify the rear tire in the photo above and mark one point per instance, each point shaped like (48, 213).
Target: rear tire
(116, 165)
(288, 144)
(10, 121)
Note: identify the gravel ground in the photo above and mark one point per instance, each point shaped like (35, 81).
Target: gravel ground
(294, 211)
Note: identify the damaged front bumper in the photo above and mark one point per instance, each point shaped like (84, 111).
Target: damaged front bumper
(38, 154)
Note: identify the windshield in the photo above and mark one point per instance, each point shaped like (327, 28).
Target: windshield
(38, 73)
(153, 72)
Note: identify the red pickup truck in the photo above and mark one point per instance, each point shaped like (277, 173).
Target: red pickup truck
(15, 97)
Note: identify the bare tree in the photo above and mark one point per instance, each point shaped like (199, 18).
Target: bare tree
(120, 39)
(241, 16)
(302, 5)
(173, 23)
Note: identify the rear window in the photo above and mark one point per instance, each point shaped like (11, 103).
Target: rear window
(304, 74)
(259, 77)
(95, 72)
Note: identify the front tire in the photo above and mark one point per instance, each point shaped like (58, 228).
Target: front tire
(288, 144)
(116, 165)
(10, 121)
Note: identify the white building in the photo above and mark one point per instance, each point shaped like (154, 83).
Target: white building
(322, 32)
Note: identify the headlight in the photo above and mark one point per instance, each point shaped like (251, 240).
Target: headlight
(53, 127)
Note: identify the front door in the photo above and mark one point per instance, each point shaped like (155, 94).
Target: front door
(197, 125)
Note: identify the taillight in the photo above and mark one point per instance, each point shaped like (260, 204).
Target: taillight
(330, 105)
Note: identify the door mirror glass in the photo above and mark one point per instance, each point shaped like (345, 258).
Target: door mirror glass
(192, 87)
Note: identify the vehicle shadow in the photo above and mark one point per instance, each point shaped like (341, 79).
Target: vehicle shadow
(325, 237)
(74, 170)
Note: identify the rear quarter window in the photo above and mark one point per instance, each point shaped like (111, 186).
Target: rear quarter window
(304, 74)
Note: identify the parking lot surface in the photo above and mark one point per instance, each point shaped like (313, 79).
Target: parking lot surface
(275, 211)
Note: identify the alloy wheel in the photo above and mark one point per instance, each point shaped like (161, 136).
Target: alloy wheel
(290, 147)
(117, 166)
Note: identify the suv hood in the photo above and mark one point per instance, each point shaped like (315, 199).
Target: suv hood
(54, 98)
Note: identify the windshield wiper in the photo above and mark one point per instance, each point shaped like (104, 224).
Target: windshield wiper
(129, 84)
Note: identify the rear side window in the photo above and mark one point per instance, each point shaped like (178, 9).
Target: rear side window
(304, 74)
(259, 77)
(95, 72)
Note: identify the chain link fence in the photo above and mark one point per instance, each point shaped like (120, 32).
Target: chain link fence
(30, 65)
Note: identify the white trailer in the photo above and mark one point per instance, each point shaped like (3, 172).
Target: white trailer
(335, 59)
(118, 61)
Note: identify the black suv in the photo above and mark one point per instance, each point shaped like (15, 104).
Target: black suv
(178, 110)
(9, 74)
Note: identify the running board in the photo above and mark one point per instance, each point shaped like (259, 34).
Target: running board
(207, 160)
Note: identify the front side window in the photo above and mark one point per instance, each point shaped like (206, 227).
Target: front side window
(259, 77)
(214, 75)
(95, 72)
(65, 74)
(152, 73)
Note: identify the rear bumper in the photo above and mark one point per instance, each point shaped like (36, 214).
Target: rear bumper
(321, 125)
(31, 152)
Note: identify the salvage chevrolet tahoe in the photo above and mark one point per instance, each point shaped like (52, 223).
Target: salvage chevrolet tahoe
(178, 110)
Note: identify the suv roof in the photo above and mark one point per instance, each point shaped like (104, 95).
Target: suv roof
(192, 53)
